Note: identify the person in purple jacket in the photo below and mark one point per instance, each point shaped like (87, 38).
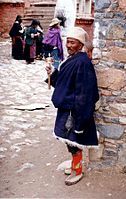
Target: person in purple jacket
(75, 94)
(53, 42)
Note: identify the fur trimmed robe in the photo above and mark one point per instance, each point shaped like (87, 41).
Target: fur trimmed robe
(75, 92)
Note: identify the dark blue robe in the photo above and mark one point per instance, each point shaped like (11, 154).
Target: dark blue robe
(76, 91)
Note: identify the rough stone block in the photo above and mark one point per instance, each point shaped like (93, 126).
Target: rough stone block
(111, 119)
(100, 4)
(96, 154)
(122, 154)
(122, 5)
(115, 32)
(110, 153)
(106, 92)
(110, 145)
(118, 108)
(113, 142)
(111, 78)
(122, 120)
(117, 54)
(97, 53)
(112, 131)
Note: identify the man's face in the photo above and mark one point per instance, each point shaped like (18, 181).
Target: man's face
(34, 26)
(73, 46)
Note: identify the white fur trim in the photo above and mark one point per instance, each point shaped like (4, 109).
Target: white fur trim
(79, 132)
(66, 141)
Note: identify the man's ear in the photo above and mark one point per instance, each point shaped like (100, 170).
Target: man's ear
(81, 46)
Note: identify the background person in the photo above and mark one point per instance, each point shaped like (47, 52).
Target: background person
(31, 34)
(53, 42)
(16, 33)
(61, 16)
(74, 96)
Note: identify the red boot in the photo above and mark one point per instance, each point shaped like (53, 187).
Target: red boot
(76, 174)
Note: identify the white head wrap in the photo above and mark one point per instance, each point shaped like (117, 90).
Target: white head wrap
(78, 33)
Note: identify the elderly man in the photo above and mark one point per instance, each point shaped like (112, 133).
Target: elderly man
(74, 96)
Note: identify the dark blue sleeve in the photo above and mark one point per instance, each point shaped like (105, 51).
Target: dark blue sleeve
(85, 95)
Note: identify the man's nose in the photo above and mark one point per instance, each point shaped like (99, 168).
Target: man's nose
(68, 45)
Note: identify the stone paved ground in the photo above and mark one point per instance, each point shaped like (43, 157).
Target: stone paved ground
(29, 155)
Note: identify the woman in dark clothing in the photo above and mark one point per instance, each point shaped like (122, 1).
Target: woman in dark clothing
(74, 96)
(31, 34)
(16, 33)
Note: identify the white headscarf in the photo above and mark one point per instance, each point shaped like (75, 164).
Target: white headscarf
(78, 33)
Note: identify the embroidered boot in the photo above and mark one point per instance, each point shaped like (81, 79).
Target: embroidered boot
(76, 174)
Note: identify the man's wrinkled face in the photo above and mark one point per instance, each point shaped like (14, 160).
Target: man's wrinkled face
(73, 46)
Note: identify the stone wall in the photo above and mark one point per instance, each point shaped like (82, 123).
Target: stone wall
(8, 13)
(110, 62)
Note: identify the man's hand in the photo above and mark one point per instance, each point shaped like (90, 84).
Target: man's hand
(49, 69)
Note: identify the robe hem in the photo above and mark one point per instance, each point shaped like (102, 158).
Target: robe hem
(71, 143)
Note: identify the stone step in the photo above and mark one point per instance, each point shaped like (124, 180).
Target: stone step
(37, 14)
(44, 4)
(26, 17)
(30, 17)
(43, 12)
(33, 9)
(44, 19)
